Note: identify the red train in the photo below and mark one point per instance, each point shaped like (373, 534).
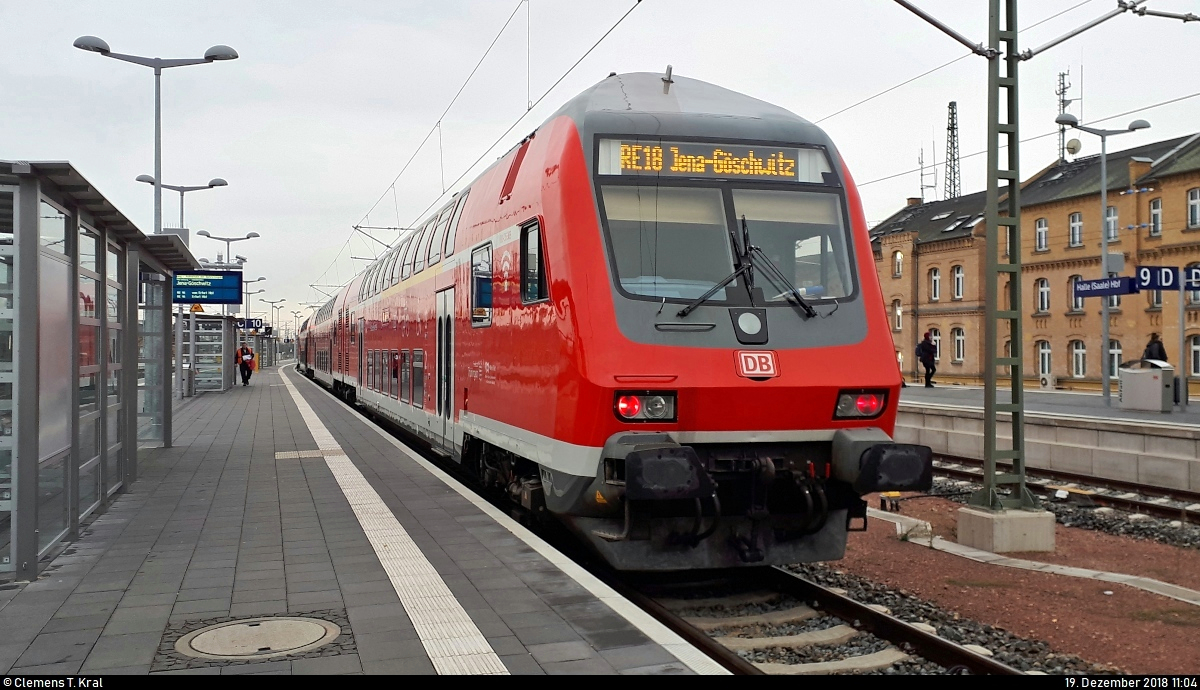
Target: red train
(655, 319)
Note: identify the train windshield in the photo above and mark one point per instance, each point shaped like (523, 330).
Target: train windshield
(803, 234)
(676, 241)
(669, 242)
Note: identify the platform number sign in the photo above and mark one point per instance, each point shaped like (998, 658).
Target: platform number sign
(1191, 277)
(1158, 278)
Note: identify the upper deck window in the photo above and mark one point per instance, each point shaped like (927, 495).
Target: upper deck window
(716, 161)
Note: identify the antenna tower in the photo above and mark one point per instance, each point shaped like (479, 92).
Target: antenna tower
(931, 173)
(953, 174)
(1063, 102)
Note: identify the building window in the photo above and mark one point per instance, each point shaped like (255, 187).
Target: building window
(1076, 299)
(1155, 217)
(959, 281)
(960, 344)
(1043, 349)
(1155, 299)
(1078, 359)
(1076, 229)
(1114, 356)
(935, 285)
(897, 264)
(936, 337)
(1114, 301)
(1008, 353)
(1042, 288)
(899, 312)
(1193, 295)
(533, 266)
(1194, 208)
(1195, 340)
(1041, 235)
(1110, 222)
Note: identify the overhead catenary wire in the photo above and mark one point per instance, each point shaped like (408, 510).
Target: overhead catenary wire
(1040, 136)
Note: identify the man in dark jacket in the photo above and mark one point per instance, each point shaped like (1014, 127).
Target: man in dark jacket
(926, 352)
(1155, 349)
(245, 363)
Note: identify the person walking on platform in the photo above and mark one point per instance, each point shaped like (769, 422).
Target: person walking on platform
(926, 353)
(245, 362)
(1155, 349)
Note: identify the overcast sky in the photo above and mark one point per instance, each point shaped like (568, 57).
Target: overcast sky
(329, 99)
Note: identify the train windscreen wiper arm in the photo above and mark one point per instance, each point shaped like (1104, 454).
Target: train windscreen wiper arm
(773, 271)
(743, 269)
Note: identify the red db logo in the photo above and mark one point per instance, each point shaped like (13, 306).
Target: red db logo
(756, 364)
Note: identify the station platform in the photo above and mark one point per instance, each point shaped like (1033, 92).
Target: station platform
(278, 502)
(1067, 403)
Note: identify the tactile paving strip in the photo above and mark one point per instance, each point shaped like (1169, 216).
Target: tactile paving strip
(451, 639)
(297, 454)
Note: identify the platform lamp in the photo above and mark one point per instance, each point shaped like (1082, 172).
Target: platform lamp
(274, 318)
(214, 182)
(1070, 120)
(213, 54)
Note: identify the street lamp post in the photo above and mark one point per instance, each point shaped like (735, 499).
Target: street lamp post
(227, 240)
(274, 303)
(1105, 269)
(217, 52)
(214, 182)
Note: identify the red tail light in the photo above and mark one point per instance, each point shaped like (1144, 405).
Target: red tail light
(868, 404)
(860, 404)
(629, 405)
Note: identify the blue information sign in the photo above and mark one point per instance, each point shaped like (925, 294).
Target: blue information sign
(1191, 277)
(249, 324)
(207, 287)
(1103, 287)
(1157, 278)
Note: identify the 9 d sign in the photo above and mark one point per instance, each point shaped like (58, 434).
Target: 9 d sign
(756, 364)
(1157, 278)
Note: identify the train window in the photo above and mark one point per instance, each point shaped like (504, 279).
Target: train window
(418, 399)
(669, 241)
(395, 273)
(389, 268)
(405, 376)
(533, 265)
(439, 234)
(481, 286)
(452, 230)
(366, 383)
(380, 373)
(422, 247)
(803, 234)
(406, 260)
(510, 180)
(395, 367)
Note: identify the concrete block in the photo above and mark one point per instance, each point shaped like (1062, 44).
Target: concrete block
(1172, 473)
(935, 439)
(1077, 436)
(1194, 475)
(1004, 430)
(1071, 459)
(1171, 447)
(969, 425)
(1134, 443)
(1006, 531)
(938, 421)
(907, 434)
(965, 445)
(1114, 464)
(1039, 432)
(913, 419)
(1037, 454)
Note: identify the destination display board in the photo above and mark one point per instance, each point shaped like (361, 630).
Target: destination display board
(706, 160)
(207, 287)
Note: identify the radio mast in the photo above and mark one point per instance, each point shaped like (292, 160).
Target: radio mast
(953, 174)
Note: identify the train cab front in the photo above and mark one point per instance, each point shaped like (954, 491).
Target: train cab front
(662, 504)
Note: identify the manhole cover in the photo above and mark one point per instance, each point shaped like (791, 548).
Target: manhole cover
(258, 638)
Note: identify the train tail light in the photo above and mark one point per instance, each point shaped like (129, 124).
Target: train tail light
(644, 406)
(860, 404)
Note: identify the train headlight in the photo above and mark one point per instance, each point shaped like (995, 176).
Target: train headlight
(860, 404)
(645, 406)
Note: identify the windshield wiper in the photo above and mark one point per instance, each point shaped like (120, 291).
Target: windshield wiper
(744, 267)
(772, 271)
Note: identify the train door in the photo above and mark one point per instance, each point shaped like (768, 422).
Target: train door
(445, 367)
(362, 336)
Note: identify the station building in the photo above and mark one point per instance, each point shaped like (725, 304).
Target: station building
(84, 355)
(1153, 218)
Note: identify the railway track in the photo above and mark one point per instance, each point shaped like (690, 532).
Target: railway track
(774, 622)
(1158, 502)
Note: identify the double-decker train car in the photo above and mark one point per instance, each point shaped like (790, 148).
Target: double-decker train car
(656, 319)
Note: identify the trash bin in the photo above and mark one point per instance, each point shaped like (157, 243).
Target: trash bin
(1146, 384)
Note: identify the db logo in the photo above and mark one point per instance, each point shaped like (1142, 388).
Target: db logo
(756, 364)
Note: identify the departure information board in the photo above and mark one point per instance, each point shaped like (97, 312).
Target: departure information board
(207, 287)
(691, 159)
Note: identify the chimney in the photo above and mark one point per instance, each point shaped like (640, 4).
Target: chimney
(914, 201)
(1138, 167)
